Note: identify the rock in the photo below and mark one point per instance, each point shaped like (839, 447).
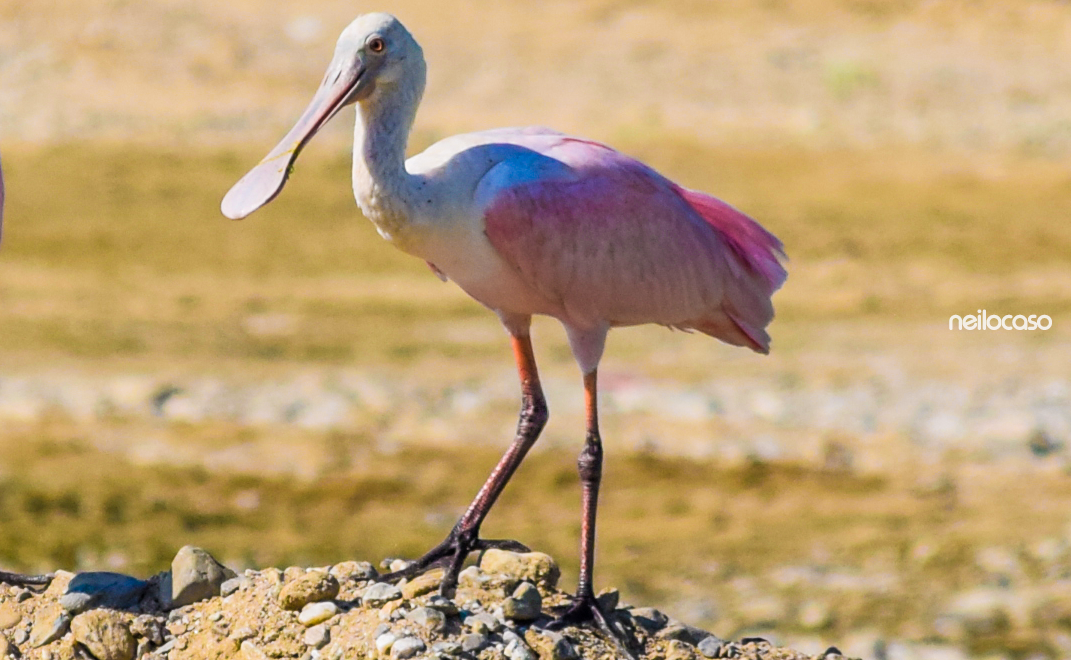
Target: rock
(105, 633)
(473, 642)
(251, 651)
(312, 587)
(384, 641)
(232, 585)
(550, 645)
(148, 627)
(678, 650)
(516, 649)
(102, 589)
(428, 619)
(317, 636)
(20, 636)
(315, 613)
(422, 584)
(380, 593)
(9, 617)
(651, 619)
(524, 605)
(195, 576)
(354, 570)
(444, 605)
(710, 647)
(48, 627)
(535, 567)
(608, 600)
(446, 648)
(406, 647)
(483, 623)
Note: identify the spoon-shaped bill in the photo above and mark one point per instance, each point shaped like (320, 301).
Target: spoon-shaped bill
(262, 183)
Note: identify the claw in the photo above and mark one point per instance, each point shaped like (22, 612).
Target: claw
(452, 553)
(19, 580)
(585, 609)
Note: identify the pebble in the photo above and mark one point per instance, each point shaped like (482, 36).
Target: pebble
(444, 605)
(710, 647)
(384, 642)
(406, 647)
(20, 636)
(428, 619)
(315, 613)
(524, 605)
(651, 619)
(311, 587)
(550, 645)
(317, 636)
(483, 623)
(232, 585)
(473, 642)
(536, 567)
(195, 576)
(516, 649)
(148, 627)
(9, 617)
(380, 593)
(608, 600)
(678, 650)
(105, 633)
(253, 652)
(422, 584)
(47, 628)
(354, 570)
(446, 648)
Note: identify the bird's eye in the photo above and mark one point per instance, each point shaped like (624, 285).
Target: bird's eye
(376, 45)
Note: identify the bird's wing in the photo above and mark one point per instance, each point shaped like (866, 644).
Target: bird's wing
(615, 242)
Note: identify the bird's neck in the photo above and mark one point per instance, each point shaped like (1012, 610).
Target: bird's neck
(381, 184)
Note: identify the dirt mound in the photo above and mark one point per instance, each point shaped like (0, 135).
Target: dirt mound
(200, 610)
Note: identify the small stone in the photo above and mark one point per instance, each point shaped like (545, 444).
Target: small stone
(423, 584)
(232, 585)
(444, 605)
(678, 632)
(317, 636)
(428, 619)
(380, 593)
(384, 642)
(710, 647)
(651, 619)
(406, 647)
(678, 650)
(550, 645)
(215, 616)
(243, 633)
(516, 649)
(608, 600)
(195, 576)
(315, 613)
(473, 642)
(446, 648)
(102, 589)
(483, 623)
(354, 570)
(47, 628)
(106, 634)
(148, 627)
(311, 587)
(524, 605)
(397, 565)
(471, 576)
(20, 636)
(535, 567)
(9, 616)
(251, 651)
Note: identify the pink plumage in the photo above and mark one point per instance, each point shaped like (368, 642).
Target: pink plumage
(613, 242)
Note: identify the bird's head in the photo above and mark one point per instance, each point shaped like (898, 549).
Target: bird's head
(375, 59)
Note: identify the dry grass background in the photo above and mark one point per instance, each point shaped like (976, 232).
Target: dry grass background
(914, 157)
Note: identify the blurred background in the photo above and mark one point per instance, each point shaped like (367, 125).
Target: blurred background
(290, 390)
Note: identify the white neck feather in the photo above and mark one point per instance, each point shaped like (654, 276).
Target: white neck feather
(381, 184)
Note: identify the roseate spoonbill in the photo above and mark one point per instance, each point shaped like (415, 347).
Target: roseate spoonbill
(531, 221)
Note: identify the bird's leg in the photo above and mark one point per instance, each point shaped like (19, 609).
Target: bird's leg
(19, 580)
(464, 538)
(585, 608)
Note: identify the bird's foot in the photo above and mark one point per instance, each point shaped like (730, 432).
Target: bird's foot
(28, 581)
(451, 555)
(586, 610)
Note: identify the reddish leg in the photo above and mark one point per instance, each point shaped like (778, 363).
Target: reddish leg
(464, 538)
(585, 608)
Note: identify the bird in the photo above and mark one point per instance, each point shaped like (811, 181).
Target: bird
(530, 221)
